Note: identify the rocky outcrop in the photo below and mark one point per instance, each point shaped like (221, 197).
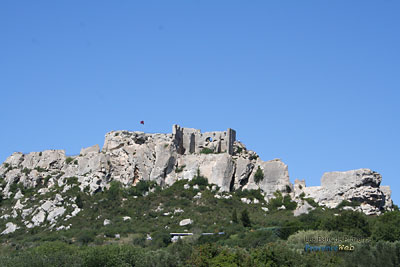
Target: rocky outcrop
(129, 157)
(359, 187)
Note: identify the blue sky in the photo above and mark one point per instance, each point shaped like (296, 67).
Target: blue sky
(315, 83)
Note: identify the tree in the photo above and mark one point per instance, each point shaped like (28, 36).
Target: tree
(115, 190)
(259, 175)
(245, 218)
(234, 216)
(79, 201)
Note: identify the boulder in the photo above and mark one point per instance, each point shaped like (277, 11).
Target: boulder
(10, 228)
(185, 222)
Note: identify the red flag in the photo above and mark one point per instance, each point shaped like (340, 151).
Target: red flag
(142, 122)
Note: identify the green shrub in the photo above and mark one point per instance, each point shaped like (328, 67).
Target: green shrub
(351, 222)
(288, 189)
(26, 171)
(86, 236)
(387, 227)
(68, 160)
(39, 169)
(245, 218)
(46, 179)
(252, 157)
(259, 175)
(206, 150)
(179, 169)
(346, 203)
(288, 203)
(79, 201)
(311, 202)
(114, 192)
(234, 217)
(72, 181)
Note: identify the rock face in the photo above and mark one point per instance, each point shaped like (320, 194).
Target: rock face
(129, 157)
(360, 186)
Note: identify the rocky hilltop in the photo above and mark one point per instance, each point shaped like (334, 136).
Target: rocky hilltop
(129, 157)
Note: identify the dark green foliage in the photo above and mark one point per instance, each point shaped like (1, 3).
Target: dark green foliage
(302, 195)
(206, 150)
(252, 157)
(26, 171)
(6, 165)
(311, 202)
(259, 175)
(288, 203)
(79, 201)
(350, 222)
(387, 227)
(288, 189)
(251, 194)
(160, 239)
(141, 188)
(68, 160)
(239, 150)
(234, 217)
(114, 192)
(39, 169)
(279, 200)
(180, 169)
(72, 181)
(76, 162)
(86, 236)
(13, 188)
(346, 203)
(46, 179)
(245, 218)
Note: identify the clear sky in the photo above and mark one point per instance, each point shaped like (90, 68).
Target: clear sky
(315, 83)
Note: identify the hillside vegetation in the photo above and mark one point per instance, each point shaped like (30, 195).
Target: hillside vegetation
(132, 226)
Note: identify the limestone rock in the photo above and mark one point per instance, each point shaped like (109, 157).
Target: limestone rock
(303, 208)
(55, 213)
(38, 218)
(10, 228)
(185, 222)
(91, 149)
(130, 157)
(362, 185)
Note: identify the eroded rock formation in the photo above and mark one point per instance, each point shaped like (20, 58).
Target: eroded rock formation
(129, 157)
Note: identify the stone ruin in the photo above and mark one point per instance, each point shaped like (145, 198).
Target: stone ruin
(191, 140)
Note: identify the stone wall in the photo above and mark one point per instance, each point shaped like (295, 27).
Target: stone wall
(189, 140)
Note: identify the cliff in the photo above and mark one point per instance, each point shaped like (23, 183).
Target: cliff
(129, 157)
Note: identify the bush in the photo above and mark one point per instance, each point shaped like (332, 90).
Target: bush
(288, 203)
(311, 202)
(206, 150)
(259, 175)
(86, 236)
(234, 217)
(39, 169)
(179, 169)
(245, 218)
(26, 171)
(68, 160)
(387, 227)
(350, 222)
(346, 203)
(114, 192)
(72, 181)
(253, 157)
